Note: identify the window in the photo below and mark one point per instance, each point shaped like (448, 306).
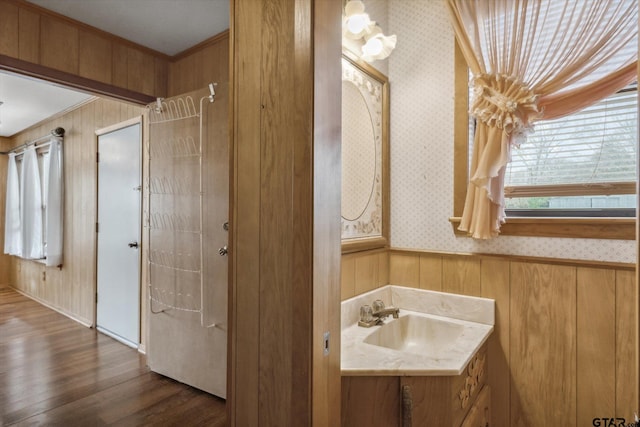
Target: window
(582, 165)
(574, 176)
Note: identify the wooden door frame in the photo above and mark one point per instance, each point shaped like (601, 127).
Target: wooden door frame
(99, 132)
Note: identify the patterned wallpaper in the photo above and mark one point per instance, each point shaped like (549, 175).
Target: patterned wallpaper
(421, 78)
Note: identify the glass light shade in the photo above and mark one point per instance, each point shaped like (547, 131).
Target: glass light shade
(353, 7)
(372, 47)
(378, 46)
(357, 23)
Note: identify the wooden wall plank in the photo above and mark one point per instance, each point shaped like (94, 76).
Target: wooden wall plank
(383, 268)
(59, 45)
(404, 270)
(363, 272)
(8, 29)
(95, 57)
(276, 220)
(596, 323)
(495, 283)
(348, 277)
(461, 275)
(161, 68)
(366, 273)
(200, 68)
(431, 272)
(182, 75)
(120, 65)
(242, 398)
(29, 36)
(625, 339)
(140, 71)
(543, 344)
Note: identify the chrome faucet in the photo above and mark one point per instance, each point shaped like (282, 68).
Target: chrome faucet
(387, 311)
(372, 316)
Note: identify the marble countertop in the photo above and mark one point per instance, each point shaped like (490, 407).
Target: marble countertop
(475, 317)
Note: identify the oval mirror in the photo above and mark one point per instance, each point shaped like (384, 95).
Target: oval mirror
(365, 148)
(358, 153)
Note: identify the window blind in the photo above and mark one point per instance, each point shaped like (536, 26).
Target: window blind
(595, 145)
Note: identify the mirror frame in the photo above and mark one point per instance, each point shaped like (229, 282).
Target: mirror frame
(381, 240)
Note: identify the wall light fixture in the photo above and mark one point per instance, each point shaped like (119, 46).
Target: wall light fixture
(357, 25)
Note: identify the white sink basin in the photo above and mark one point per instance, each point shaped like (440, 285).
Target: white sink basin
(436, 334)
(425, 336)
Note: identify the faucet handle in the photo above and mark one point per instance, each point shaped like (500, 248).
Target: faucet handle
(378, 305)
(366, 313)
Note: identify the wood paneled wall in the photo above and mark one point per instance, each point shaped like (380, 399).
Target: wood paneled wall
(41, 37)
(200, 65)
(563, 350)
(364, 271)
(5, 260)
(285, 228)
(71, 289)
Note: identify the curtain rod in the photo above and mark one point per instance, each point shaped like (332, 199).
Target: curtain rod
(57, 132)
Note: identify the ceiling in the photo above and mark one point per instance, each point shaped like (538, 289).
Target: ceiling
(167, 26)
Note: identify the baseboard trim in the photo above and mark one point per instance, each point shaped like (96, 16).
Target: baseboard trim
(83, 322)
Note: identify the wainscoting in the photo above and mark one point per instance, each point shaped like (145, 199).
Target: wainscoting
(364, 271)
(563, 350)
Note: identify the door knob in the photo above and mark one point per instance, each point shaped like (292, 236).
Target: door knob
(133, 244)
(223, 251)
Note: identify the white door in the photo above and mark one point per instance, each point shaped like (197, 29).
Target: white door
(119, 233)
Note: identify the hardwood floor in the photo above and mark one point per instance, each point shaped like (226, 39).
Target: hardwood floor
(56, 372)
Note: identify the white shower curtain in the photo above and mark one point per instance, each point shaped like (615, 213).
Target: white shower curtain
(12, 229)
(31, 206)
(54, 205)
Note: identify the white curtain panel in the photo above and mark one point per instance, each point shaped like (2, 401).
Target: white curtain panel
(54, 207)
(31, 206)
(12, 228)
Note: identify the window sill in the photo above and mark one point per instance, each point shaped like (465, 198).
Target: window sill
(582, 228)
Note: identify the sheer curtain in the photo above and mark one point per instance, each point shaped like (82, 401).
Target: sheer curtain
(534, 60)
(54, 202)
(31, 206)
(12, 233)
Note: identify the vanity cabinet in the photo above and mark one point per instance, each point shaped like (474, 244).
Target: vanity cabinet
(480, 413)
(411, 401)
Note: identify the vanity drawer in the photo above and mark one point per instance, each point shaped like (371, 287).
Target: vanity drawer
(480, 413)
(443, 401)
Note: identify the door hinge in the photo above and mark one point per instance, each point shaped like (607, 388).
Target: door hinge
(97, 157)
(96, 297)
(97, 227)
